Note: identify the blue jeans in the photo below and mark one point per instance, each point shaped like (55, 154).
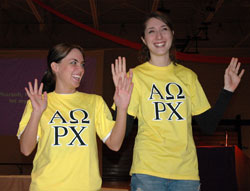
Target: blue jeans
(143, 182)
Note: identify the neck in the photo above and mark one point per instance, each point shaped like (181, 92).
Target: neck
(61, 90)
(160, 60)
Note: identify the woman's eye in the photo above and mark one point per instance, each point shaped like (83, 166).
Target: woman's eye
(150, 31)
(73, 62)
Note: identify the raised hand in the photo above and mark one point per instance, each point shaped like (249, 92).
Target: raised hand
(123, 91)
(233, 75)
(38, 100)
(118, 69)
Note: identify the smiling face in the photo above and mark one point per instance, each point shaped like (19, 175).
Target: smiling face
(158, 37)
(69, 72)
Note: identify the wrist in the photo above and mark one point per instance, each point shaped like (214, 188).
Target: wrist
(121, 109)
(228, 89)
(36, 113)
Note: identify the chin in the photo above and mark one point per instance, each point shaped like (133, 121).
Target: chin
(74, 86)
(77, 86)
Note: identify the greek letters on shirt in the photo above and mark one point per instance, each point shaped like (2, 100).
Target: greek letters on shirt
(63, 130)
(169, 101)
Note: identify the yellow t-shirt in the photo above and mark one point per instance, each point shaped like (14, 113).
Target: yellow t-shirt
(164, 100)
(67, 157)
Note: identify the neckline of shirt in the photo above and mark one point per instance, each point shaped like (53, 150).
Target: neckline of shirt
(66, 95)
(168, 67)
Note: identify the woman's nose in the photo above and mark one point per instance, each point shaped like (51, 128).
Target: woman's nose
(80, 67)
(158, 35)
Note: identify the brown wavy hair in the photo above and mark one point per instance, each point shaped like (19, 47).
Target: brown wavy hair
(144, 53)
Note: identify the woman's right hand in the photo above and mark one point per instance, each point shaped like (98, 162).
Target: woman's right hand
(118, 70)
(38, 100)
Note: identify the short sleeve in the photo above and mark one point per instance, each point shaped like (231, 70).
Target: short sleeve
(133, 107)
(103, 120)
(25, 119)
(199, 100)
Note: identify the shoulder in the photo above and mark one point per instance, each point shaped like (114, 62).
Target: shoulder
(184, 71)
(181, 68)
(92, 98)
(140, 67)
(140, 70)
(89, 96)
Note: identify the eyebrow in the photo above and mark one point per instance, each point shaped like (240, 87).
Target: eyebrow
(154, 27)
(74, 59)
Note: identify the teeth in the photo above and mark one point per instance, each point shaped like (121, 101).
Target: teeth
(76, 76)
(159, 44)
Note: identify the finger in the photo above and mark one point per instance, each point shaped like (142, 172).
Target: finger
(124, 64)
(113, 69)
(131, 88)
(241, 73)
(234, 63)
(116, 66)
(35, 86)
(226, 71)
(45, 96)
(31, 88)
(120, 64)
(31, 97)
(237, 67)
(114, 73)
(27, 92)
(129, 81)
(230, 65)
(40, 91)
(131, 74)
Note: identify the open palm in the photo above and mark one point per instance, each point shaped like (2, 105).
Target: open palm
(233, 75)
(123, 91)
(38, 100)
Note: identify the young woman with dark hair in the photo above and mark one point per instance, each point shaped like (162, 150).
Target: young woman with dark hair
(63, 124)
(165, 97)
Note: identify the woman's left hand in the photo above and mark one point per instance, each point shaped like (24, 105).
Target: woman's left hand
(118, 69)
(232, 75)
(123, 91)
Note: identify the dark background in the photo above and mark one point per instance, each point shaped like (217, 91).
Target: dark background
(202, 27)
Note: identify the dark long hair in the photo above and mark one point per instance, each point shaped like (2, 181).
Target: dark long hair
(56, 54)
(144, 53)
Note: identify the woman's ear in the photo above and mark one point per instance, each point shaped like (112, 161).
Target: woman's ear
(54, 67)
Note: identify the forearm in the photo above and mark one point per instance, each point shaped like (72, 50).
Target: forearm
(129, 123)
(209, 120)
(28, 139)
(115, 140)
